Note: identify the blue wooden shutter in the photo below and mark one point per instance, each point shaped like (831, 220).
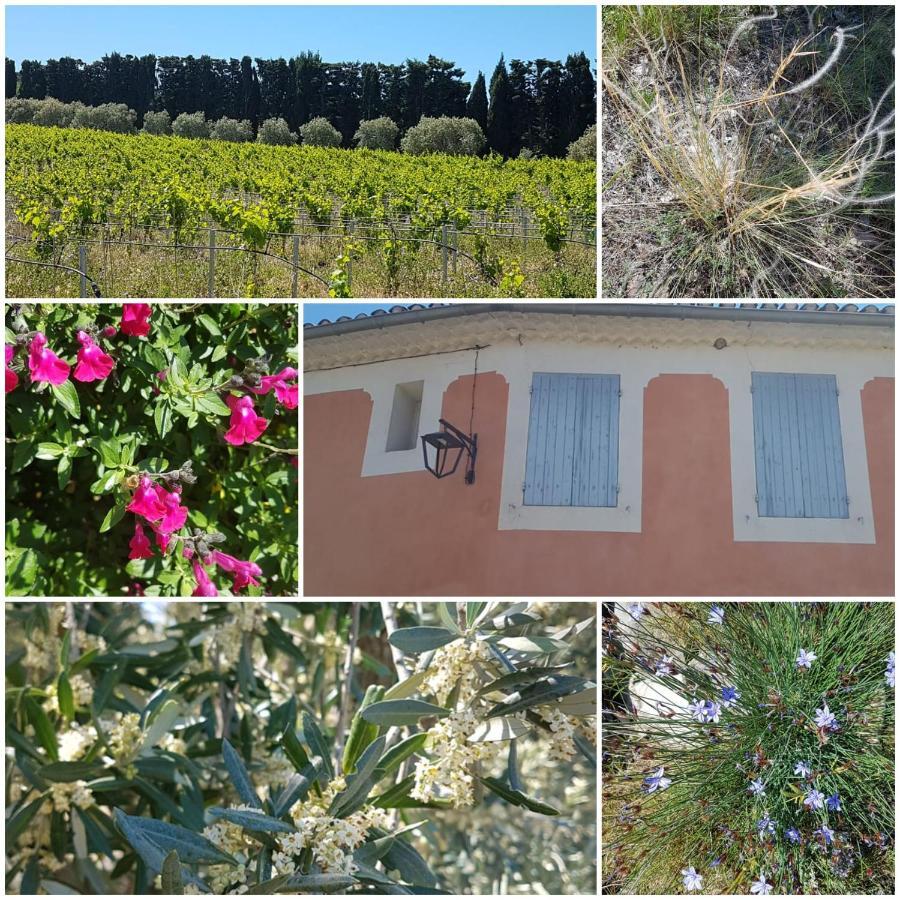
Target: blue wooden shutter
(798, 447)
(573, 441)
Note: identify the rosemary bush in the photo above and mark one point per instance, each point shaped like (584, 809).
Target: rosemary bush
(251, 747)
(748, 747)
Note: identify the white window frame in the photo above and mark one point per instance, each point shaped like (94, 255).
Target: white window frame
(859, 526)
(573, 360)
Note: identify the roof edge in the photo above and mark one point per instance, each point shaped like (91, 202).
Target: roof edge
(634, 310)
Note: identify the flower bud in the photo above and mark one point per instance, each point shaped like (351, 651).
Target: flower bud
(110, 331)
(236, 381)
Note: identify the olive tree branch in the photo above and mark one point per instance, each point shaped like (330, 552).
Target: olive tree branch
(347, 686)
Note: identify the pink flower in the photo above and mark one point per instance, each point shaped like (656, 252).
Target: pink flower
(176, 514)
(139, 546)
(44, 364)
(245, 425)
(287, 394)
(110, 331)
(162, 539)
(205, 587)
(93, 363)
(243, 570)
(12, 380)
(146, 503)
(134, 319)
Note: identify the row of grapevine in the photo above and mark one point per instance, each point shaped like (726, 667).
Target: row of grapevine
(59, 181)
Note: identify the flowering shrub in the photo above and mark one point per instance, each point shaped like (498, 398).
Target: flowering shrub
(162, 460)
(234, 747)
(748, 748)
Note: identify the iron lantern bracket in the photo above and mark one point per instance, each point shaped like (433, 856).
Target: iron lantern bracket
(446, 441)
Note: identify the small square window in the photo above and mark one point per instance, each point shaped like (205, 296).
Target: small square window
(403, 431)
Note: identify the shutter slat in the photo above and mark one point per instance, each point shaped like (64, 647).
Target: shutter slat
(573, 454)
(797, 446)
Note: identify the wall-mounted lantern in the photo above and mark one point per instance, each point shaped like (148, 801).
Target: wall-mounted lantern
(446, 449)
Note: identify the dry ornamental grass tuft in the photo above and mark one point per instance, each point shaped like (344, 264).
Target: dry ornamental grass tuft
(745, 172)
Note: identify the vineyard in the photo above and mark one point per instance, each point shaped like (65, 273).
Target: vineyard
(141, 216)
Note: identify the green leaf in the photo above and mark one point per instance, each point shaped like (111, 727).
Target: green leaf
(584, 703)
(67, 397)
(30, 877)
(63, 471)
(50, 450)
(447, 613)
(517, 798)
(540, 693)
(402, 712)
(114, 516)
(23, 455)
(519, 678)
(65, 697)
(369, 853)
(21, 571)
(70, 771)
(162, 417)
(83, 661)
(20, 820)
(407, 687)
(191, 847)
(212, 404)
(406, 748)
(502, 728)
(252, 821)
(220, 352)
(421, 638)
(325, 883)
(361, 733)
(539, 645)
(409, 863)
(109, 453)
(293, 749)
(209, 324)
(272, 886)
(44, 731)
(316, 742)
(160, 723)
(360, 783)
(171, 874)
(239, 776)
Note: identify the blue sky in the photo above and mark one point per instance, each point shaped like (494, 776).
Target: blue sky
(472, 36)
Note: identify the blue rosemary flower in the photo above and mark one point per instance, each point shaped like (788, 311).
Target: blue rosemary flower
(656, 781)
(814, 799)
(825, 718)
(757, 788)
(692, 881)
(730, 696)
(805, 659)
(761, 886)
(834, 802)
(802, 769)
(716, 615)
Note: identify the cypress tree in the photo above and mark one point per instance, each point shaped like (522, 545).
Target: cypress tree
(477, 104)
(499, 117)
(10, 77)
(32, 84)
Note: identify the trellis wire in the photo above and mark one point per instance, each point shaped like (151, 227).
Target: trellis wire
(449, 245)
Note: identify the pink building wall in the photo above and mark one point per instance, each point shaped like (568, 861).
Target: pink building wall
(409, 534)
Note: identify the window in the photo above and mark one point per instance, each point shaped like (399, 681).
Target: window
(403, 431)
(798, 447)
(573, 441)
